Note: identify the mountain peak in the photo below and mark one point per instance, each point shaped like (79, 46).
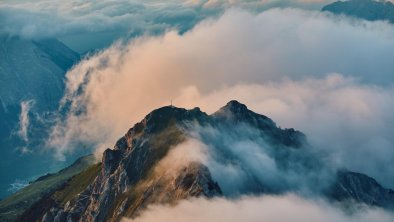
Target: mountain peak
(238, 111)
(235, 107)
(162, 117)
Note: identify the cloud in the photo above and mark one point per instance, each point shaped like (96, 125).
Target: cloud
(24, 119)
(243, 162)
(242, 165)
(192, 150)
(282, 63)
(253, 209)
(29, 19)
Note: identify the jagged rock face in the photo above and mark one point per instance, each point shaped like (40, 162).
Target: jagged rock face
(132, 176)
(128, 181)
(357, 187)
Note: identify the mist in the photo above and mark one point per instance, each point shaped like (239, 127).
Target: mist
(243, 162)
(24, 120)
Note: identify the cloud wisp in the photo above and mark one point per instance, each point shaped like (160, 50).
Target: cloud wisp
(24, 120)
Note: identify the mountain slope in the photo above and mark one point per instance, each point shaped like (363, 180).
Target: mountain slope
(365, 9)
(32, 77)
(150, 165)
(33, 70)
(17, 203)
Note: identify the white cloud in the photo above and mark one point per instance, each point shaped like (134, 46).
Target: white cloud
(243, 165)
(254, 209)
(24, 119)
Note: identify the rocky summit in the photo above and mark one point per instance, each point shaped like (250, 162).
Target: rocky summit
(132, 174)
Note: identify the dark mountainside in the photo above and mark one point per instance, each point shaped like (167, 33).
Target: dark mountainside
(32, 72)
(130, 176)
(365, 9)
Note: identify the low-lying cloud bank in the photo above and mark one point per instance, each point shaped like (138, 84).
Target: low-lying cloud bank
(254, 209)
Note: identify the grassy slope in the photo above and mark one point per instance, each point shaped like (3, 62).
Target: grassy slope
(17, 203)
(77, 184)
(59, 197)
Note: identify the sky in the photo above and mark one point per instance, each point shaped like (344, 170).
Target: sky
(330, 77)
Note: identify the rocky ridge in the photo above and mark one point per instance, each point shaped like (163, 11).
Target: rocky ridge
(131, 178)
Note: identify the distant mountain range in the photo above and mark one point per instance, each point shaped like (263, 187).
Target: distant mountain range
(365, 9)
(32, 75)
(137, 171)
